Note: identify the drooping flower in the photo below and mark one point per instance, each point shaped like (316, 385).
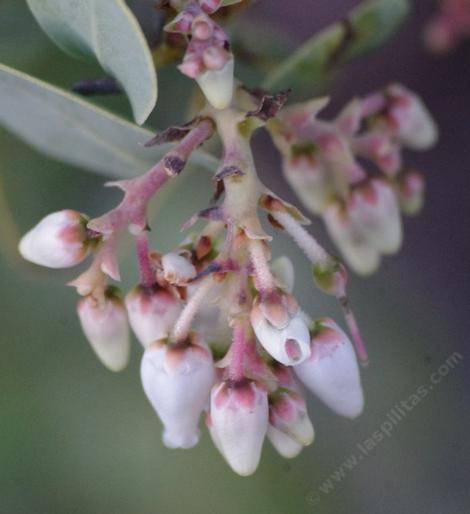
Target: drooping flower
(106, 327)
(152, 312)
(238, 421)
(58, 241)
(277, 323)
(177, 379)
(332, 371)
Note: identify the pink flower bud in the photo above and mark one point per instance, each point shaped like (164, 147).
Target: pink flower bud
(285, 445)
(288, 413)
(332, 372)
(410, 190)
(238, 422)
(373, 208)
(281, 331)
(177, 379)
(410, 119)
(308, 178)
(359, 254)
(152, 312)
(106, 327)
(217, 84)
(177, 269)
(57, 241)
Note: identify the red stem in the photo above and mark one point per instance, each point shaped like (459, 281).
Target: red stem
(147, 273)
(139, 191)
(236, 370)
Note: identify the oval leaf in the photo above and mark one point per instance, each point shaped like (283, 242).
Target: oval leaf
(70, 129)
(366, 27)
(108, 30)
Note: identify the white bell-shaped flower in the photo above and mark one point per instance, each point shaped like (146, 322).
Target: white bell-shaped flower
(374, 210)
(57, 241)
(285, 445)
(289, 344)
(177, 379)
(412, 121)
(308, 177)
(359, 254)
(238, 421)
(217, 85)
(152, 312)
(332, 371)
(288, 413)
(106, 327)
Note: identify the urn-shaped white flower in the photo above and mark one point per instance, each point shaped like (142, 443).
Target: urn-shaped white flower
(217, 84)
(332, 372)
(57, 241)
(285, 445)
(152, 312)
(280, 328)
(411, 119)
(288, 413)
(308, 177)
(359, 254)
(106, 327)
(238, 421)
(374, 210)
(177, 379)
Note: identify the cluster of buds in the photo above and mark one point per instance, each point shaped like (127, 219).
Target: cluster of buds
(350, 170)
(449, 26)
(208, 58)
(221, 331)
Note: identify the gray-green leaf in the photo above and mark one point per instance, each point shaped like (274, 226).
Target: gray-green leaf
(108, 30)
(70, 129)
(366, 27)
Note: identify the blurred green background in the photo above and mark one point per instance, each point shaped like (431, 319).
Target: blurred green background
(76, 438)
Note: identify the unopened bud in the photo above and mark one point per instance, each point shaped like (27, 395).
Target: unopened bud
(332, 372)
(359, 254)
(373, 208)
(308, 178)
(177, 380)
(288, 413)
(217, 84)
(105, 325)
(411, 119)
(285, 445)
(238, 421)
(57, 241)
(152, 312)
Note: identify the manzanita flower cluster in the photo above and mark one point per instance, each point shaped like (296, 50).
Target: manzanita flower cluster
(222, 333)
(350, 170)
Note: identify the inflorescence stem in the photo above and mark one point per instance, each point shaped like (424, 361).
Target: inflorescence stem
(183, 324)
